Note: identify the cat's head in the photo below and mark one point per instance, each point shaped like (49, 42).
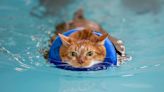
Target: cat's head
(82, 53)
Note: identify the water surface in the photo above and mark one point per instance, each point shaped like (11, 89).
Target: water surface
(24, 29)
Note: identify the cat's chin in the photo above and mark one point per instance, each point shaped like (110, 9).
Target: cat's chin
(92, 63)
(88, 66)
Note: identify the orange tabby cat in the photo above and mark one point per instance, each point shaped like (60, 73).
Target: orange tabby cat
(74, 50)
(83, 48)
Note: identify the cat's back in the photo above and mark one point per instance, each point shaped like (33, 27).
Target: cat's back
(85, 34)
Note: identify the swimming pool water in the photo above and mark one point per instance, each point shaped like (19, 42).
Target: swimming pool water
(24, 29)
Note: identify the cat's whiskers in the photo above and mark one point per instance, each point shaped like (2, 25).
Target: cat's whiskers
(92, 63)
(86, 47)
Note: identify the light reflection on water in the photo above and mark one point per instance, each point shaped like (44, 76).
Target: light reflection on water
(23, 34)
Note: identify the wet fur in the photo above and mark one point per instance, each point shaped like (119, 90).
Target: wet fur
(82, 42)
(80, 21)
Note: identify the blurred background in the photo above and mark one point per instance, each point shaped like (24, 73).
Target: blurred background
(25, 26)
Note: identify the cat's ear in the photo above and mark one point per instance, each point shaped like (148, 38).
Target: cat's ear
(102, 38)
(65, 40)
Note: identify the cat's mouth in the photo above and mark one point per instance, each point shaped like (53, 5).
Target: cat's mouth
(84, 65)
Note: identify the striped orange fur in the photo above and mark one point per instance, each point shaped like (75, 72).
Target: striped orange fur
(83, 48)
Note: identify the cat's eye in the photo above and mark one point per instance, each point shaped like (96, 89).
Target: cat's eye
(90, 53)
(73, 54)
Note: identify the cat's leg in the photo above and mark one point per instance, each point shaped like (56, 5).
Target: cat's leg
(59, 29)
(120, 49)
(121, 58)
(119, 46)
(44, 52)
(52, 39)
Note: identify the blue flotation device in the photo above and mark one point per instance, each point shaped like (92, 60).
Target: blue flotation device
(54, 57)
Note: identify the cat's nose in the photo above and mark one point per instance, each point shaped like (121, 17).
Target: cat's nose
(80, 61)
